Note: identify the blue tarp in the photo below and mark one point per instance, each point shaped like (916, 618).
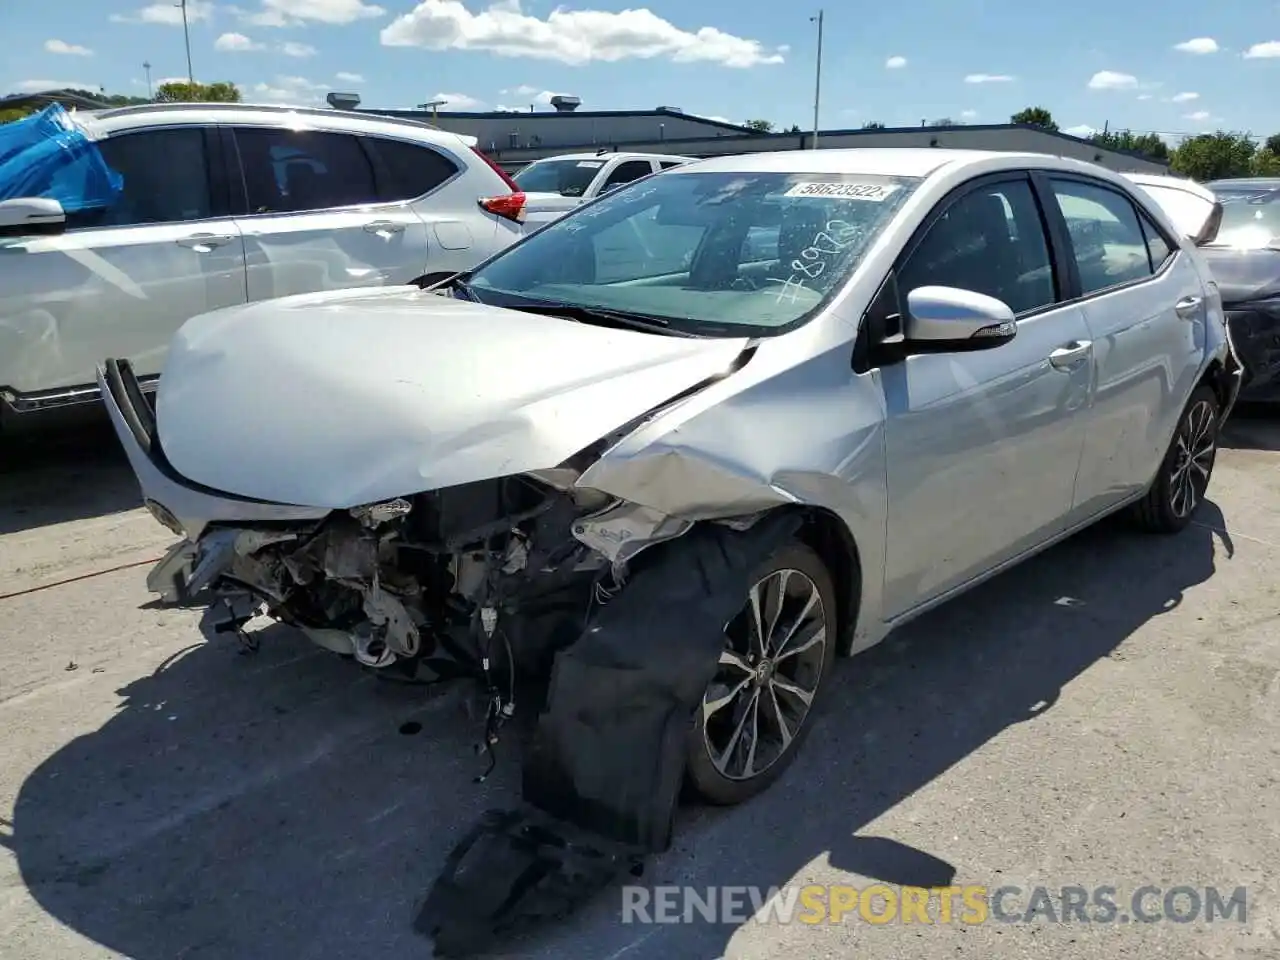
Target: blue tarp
(48, 155)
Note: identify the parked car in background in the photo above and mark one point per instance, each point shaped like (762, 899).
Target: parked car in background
(216, 205)
(684, 487)
(555, 185)
(1245, 259)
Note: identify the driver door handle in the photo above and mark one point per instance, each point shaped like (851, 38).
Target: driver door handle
(204, 241)
(1070, 356)
(1188, 308)
(384, 226)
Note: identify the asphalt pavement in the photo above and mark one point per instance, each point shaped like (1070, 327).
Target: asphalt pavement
(1104, 715)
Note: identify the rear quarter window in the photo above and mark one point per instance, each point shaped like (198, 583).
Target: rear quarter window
(409, 170)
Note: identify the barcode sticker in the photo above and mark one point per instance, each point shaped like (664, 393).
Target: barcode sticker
(874, 192)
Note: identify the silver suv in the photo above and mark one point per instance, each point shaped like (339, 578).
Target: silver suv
(224, 204)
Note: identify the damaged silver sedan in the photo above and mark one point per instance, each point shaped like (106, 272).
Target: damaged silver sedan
(677, 452)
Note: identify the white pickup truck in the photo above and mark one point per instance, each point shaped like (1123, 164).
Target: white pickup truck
(555, 185)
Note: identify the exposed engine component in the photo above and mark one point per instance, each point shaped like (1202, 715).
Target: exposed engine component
(409, 580)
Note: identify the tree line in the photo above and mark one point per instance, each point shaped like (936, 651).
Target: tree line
(179, 91)
(1207, 156)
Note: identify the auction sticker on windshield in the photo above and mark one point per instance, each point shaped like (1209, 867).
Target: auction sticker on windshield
(875, 192)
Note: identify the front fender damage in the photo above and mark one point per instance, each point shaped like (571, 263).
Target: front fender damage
(603, 774)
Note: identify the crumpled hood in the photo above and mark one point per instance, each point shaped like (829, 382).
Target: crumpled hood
(1244, 276)
(343, 398)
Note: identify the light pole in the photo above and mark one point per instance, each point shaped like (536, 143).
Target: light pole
(817, 80)
(433, 106)
(146, 65)
(186, 36)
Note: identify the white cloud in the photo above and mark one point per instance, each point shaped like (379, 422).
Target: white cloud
(68, 49)
(523, 90)
(1110, 80)
(297, 90)
(236, 43)
(895, 63)
(459, 101)
(40, 86)
(168, 14)
(346, 77)
(1263, 50)
(1082, 130)
(1200, 45)
(290, 13)
(294, 49)
(259, 18)
(569, 36)
(968, 114)
(1198, 115)
(988, 78)
(1144, 96)
(1184, 97)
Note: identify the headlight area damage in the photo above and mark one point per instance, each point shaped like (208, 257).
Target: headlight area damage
(624, 607)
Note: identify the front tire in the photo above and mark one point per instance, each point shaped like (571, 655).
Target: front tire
(1183, 480)
(779, 650)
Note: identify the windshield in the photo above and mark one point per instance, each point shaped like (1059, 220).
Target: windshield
(1250, 217)
(569, 178)
(710, 253)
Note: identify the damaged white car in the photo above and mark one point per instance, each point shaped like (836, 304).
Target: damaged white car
(854, 384)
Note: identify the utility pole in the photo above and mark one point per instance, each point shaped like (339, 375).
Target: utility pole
(817, 80)
(146, 65)
(186, 35)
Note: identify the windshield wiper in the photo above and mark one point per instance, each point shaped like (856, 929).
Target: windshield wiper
(614, 318)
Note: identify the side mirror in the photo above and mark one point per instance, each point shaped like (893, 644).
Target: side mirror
(31, 217)
(951, 320)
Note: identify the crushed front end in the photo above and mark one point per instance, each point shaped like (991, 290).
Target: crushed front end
(623, 608)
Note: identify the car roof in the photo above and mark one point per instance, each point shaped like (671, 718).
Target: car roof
(891, 161)
(101, 123)
(621, 154)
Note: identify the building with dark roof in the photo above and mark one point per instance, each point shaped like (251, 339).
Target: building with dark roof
(516, 138)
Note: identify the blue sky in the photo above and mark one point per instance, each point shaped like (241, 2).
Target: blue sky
(1180, 67)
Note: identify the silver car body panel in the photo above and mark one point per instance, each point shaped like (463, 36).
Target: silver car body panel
(944, 469)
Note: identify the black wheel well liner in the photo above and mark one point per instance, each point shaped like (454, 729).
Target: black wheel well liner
(830, 538)
(1219, 380)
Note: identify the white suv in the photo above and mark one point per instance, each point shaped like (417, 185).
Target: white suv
(224, 204)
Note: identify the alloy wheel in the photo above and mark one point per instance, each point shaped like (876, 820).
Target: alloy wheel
(769, 671)
(1195, 447)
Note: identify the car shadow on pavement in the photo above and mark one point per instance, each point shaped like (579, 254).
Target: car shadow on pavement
(70, 475)
(283, 804)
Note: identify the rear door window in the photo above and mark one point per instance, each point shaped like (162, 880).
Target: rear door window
(294, 171)
(1107, 239)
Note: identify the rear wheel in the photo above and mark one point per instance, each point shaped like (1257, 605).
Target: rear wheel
(778, 651)
(1183, 480)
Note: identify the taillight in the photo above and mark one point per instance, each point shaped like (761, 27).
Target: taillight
(506, 178)
(509, 205)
